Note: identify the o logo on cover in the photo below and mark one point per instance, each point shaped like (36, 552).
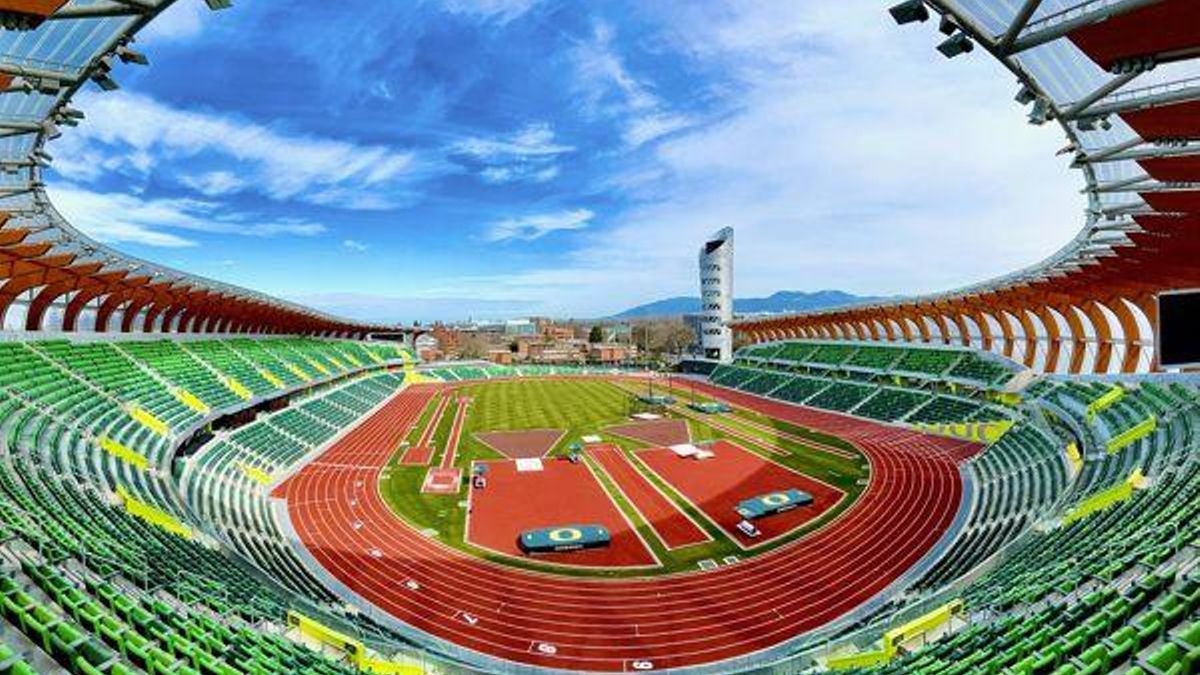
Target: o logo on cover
(565, 534)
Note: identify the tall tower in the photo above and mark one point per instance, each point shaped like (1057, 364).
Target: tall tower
(716, 296)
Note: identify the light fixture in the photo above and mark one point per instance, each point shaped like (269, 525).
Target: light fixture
(1025, 95)
(910, 12)
(218, 4)
(104, 81)
(128, 55)
(1041, 112)
(955, 45)
(947, 25)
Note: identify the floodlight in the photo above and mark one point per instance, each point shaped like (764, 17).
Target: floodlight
(947, 25)
(47, 86)
(68, 116)
(910, 12)
(50, 130)
(956, 44)
(128, 55)
(1025, 95)
(1041, 112)
(1086, 124)
(104, 81)
(218, 4)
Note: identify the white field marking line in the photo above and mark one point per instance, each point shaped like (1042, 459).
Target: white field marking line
(874, 430)
(561, 434)
(460, 420)
(773, 451)
(759, 544)
(741, 435)
(634, 506)
(337, 465)
(613, 448)
(431, 428)
(724, 426)
(426, 434)
(612, 502)
(686, 498)
(807, 442)
(818, 445)
(548, 563)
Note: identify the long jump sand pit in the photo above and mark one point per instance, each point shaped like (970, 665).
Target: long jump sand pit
(562, 493)
(733, 474)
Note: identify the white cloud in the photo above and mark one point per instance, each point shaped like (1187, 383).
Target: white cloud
(214, 183)
(528, 228)
(533, 140)
(121, 218)
(610, 89)
(180, 21)
(136, 133)
(355, 245)
(603, 77)
(642, 130)
(421, 307)
(502, 11)
(529, 154)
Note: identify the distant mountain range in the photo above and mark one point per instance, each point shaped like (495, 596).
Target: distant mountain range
(777, 303)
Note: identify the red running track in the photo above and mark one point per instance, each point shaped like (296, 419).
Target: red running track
(673, 527)
(688, 619)
(420, 453)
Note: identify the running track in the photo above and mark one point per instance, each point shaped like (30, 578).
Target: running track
(672, 526)
(423, 450)
(673, 621)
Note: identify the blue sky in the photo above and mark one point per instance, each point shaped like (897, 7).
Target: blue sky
(445, 159)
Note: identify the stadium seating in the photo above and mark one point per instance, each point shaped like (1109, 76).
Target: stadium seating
(89, 425)
(482, 371)
(958, 365)
(1091, 591)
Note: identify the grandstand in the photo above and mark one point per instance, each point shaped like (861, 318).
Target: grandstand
(198, 478)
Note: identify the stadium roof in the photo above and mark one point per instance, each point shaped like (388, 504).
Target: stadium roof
(1122, 80)
(49, 49)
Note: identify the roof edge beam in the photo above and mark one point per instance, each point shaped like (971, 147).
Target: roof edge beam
(1119, 185)
(1183, 94)
(1155, 152)
(1060, 29)
(1079, 107)
(1018, 24)
(1104, 153)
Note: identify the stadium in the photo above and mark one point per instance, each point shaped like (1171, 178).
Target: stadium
(201, 478)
